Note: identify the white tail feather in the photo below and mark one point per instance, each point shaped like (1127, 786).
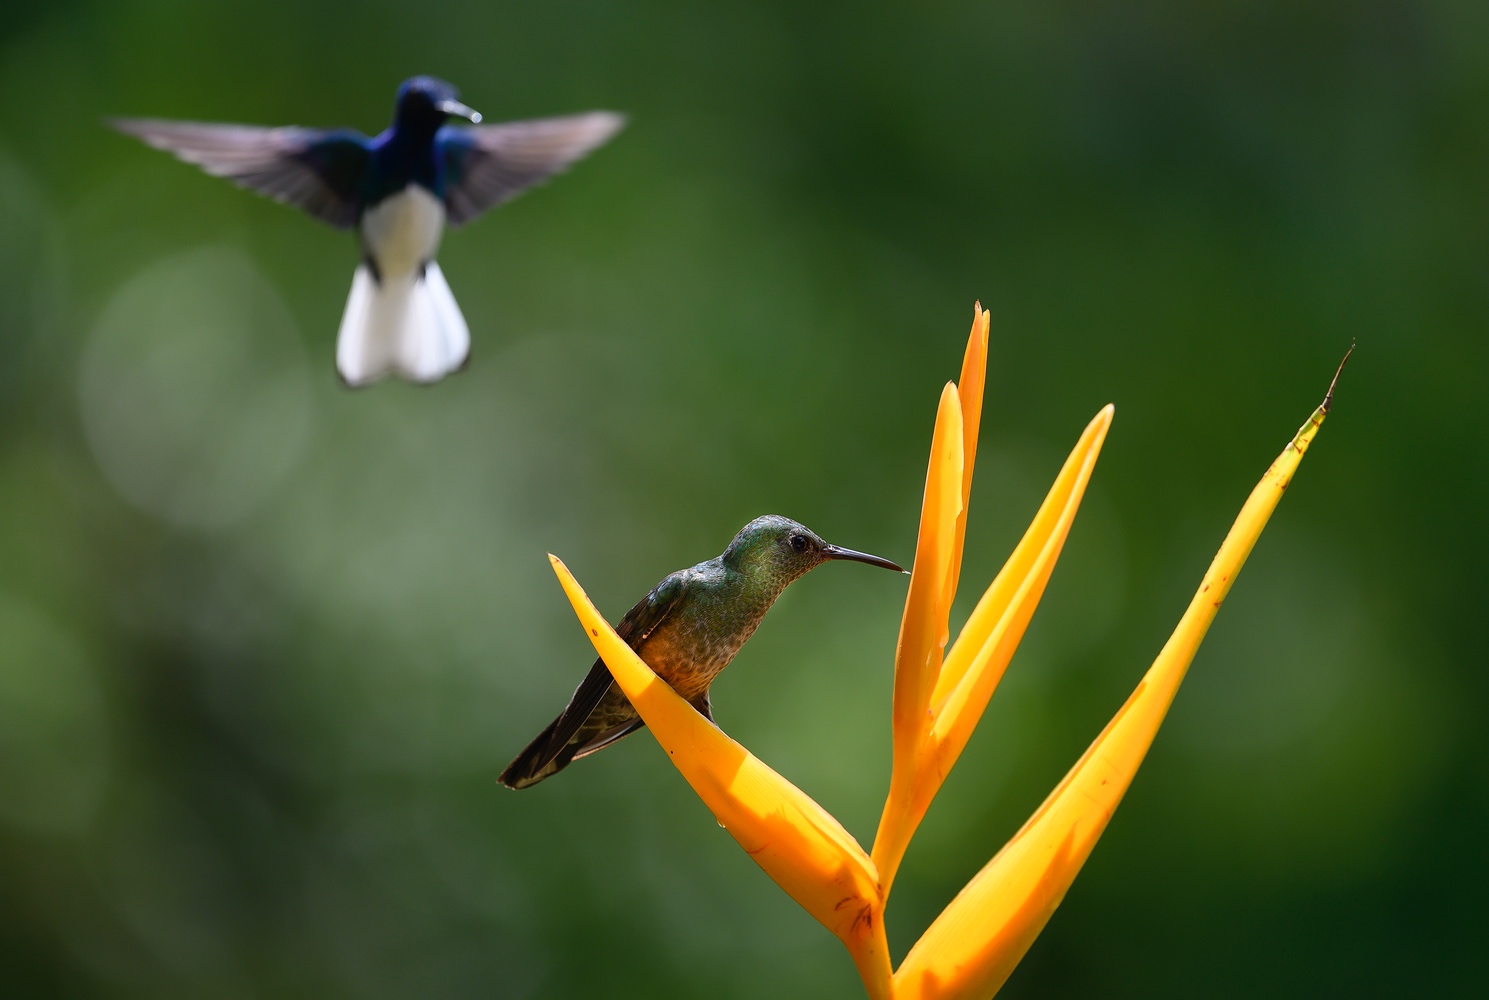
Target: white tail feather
(409, 326)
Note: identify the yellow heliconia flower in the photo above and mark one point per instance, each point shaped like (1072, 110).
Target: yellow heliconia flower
(972, 947)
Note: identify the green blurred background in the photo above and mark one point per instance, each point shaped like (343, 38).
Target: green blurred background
(266, 643)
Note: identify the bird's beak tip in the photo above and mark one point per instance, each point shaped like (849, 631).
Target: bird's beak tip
(838, 552)
(453, 107)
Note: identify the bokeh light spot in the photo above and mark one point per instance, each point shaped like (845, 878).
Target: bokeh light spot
(194, 391)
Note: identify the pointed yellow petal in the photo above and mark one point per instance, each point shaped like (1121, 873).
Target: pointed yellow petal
(797, 842)
(982, 651)
(1039, 547)
(917, 658)
(976, 663)
(969, 389)
(975, 943)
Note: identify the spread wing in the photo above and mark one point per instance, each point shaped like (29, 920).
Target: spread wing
(637, 624)
(488, 164)
(315, 170)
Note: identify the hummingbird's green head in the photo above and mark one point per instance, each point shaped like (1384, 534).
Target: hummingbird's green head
(777, 550)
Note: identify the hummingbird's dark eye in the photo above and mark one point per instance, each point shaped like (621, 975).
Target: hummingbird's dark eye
(799, 542)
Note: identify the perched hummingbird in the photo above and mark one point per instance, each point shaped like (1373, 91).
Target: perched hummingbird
(399, 188)
(687, 630)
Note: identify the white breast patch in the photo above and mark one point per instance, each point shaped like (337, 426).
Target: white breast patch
(401, 232)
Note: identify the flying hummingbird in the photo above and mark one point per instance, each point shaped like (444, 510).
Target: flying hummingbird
(687, 630)
(399, 188)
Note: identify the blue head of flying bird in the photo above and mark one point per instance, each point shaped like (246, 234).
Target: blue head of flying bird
(408, 151)
(687, 630)
(399, 189)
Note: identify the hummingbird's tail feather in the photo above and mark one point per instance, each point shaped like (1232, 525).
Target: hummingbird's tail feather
(596, 716)
(539, 761)
(408, 325)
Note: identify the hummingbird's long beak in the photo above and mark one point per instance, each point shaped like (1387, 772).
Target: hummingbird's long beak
(453, 107)
(838, 552)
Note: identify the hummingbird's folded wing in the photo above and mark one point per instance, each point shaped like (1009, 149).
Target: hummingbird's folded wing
(313, 169)
(488, 164)
(637, 624)
(606, 738)
(609, 736)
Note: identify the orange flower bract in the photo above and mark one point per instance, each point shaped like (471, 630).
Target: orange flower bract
(939, 696)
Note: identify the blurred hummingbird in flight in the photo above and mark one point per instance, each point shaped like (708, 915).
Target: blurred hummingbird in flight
(687, 630)
(399, 188)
